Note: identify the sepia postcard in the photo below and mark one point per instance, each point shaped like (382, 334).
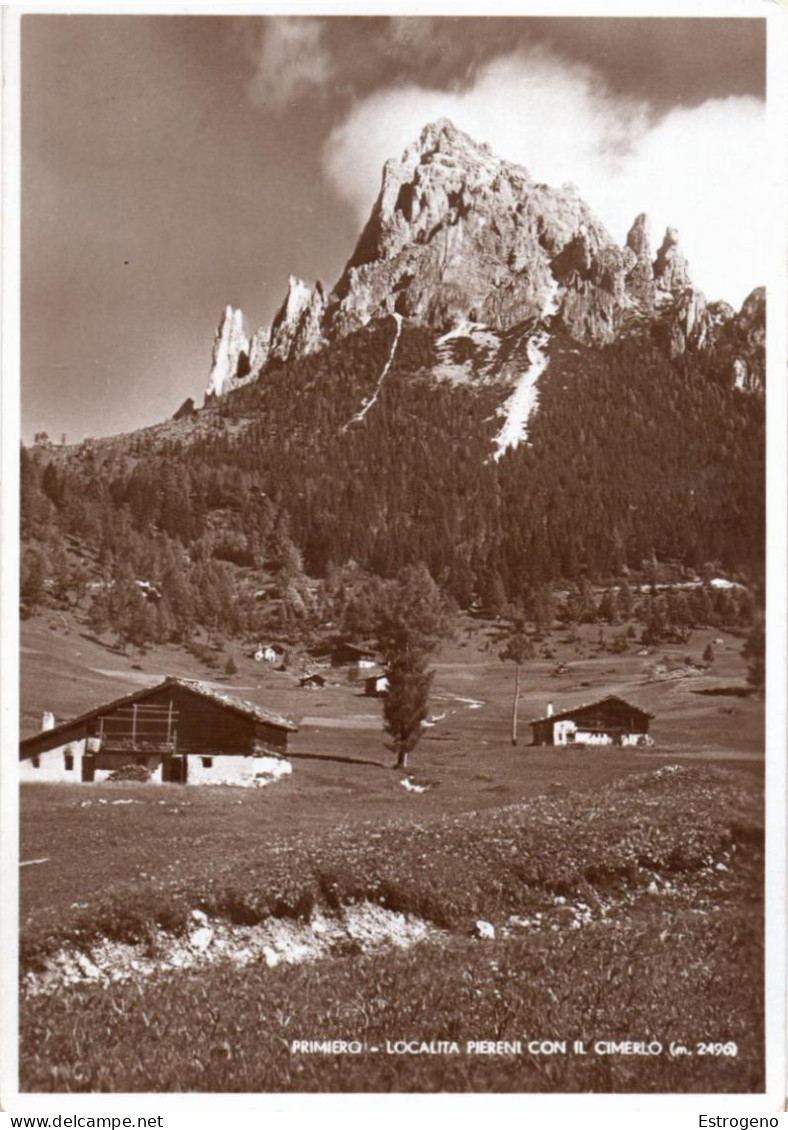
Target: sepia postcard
(394, 560)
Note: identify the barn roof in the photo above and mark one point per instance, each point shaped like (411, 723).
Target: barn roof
(570, 713)
(194, 686)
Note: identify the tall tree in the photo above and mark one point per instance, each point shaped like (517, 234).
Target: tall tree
(406, 703)
(413, 617)
(518, 648)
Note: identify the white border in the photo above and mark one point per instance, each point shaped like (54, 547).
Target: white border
(9, 558)
(346, 1110)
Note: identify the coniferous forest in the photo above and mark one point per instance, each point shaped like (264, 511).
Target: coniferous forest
(273, 509)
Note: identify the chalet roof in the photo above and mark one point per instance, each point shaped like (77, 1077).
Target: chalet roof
(194, 686)
(239, 705)
(573, 710)
(352, 649)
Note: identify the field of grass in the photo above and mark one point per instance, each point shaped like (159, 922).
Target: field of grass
(66, 673)
(639, 909)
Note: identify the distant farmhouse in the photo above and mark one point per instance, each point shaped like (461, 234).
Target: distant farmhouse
(348, 654)
(270, 653)
(313, 682)
(609, 721)
(376, 685)
(181, 731)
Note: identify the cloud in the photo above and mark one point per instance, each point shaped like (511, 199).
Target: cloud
(291, 60)
(699, 169)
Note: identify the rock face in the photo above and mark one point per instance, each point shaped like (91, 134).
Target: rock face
(459, 236)
(671, 270)
(296, 329)
(230, 353)
(640, 277)
(259, 350)
(745, 337)
(457, 233)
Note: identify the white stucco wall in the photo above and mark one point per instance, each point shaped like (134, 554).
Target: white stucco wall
(225, 767)
(586, 737)
(637, 739)
(564, 733)
(235, 769)
(52, 764)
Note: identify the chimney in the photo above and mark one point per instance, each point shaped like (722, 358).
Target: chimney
(549, 710)
(47, 721)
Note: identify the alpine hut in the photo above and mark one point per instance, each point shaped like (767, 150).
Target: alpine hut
(608, 721)
(180, 730)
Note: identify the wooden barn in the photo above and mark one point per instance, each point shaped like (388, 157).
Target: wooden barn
(181, 731)
(609, 721)
(351, 655)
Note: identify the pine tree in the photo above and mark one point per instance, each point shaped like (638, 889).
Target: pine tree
(625, 600)
(608, 609)
(406, 704)
(33, 569)
(412, 618)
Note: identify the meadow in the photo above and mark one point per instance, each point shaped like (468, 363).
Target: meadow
(623, 889)
(632, 912)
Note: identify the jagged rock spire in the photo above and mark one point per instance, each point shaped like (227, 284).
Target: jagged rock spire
(296, 329)
(640, 278)
(230, 352)
(671, 269)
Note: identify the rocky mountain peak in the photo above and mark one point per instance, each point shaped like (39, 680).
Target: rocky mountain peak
(671, 269)
(432, 181)
(457, 236)
(458, 233)
(638, 237)
(640, 277)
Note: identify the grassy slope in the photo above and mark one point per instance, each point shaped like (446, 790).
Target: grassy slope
(616, 981)
(352, 829)
(467, 756)
(64, 672)
(683, 964)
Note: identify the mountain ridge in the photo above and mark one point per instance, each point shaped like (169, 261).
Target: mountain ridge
(589, 418)
(458, 234)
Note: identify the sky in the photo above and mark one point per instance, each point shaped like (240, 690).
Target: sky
(172, 165)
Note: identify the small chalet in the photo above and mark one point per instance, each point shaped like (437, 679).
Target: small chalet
(181, 731)
(610, 721)
(269, 653)
(313, 682)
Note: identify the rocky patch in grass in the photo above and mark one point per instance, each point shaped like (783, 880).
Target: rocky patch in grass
(650, 834)
(358, 929)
